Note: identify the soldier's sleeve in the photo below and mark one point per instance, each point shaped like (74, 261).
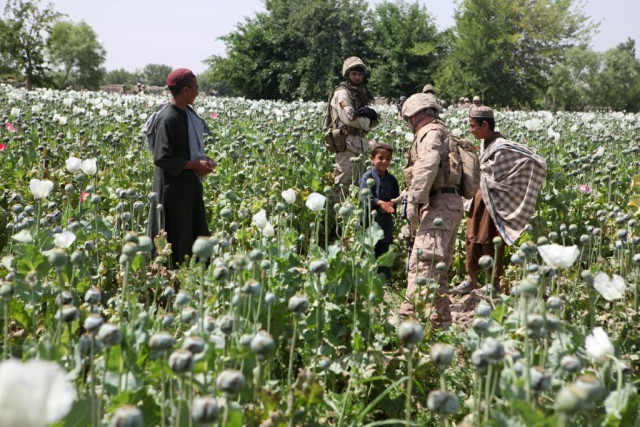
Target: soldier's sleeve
(426, 167)
(347, 113)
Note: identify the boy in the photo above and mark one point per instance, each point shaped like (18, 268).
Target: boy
(512, 176)
(385, 189)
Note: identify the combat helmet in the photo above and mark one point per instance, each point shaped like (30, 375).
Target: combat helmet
(418, 102)
(351, 63)
(428, 88)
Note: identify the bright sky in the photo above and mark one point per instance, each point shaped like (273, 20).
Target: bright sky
(183, 33)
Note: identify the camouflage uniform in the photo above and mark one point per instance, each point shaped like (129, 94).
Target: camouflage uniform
(345, 102)
(433, 189)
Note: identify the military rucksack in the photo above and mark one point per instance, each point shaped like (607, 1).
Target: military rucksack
(470, 179)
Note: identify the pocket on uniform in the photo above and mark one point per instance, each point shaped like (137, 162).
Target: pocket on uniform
(455, 206)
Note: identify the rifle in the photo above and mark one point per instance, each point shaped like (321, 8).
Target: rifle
(409, 237)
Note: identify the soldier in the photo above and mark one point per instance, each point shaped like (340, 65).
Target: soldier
(428, 88)
(512, 176)
(399, 105)
(434, 206)
(349, 112)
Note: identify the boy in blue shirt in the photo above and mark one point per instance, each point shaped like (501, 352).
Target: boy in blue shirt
(382, 193)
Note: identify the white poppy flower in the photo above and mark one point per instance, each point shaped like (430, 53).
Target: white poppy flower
(23, 236)
(64, 240)
(40, 188)
(73, 164)
(36, 108)
(315, 202)
(89, 166)
(610, 289)
(15, 112)
(260, 219)
(289, 196)
(598, 345)
(34, 394)
(62, 120)
(408, 137)
(67, 101)
(268, 230)
(533, 124)
(558, 256)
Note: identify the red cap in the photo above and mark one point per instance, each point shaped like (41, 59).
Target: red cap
(177, 75)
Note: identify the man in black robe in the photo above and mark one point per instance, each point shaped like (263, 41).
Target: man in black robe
(180, 164)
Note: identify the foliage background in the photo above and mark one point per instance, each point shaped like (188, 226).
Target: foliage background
(515, 54)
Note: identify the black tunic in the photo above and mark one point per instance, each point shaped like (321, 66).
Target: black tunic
(179, 190)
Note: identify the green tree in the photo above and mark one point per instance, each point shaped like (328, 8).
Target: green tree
(575, 81)
(505, 49)
(406, 49)
(293, 50)
(121, 76)
(620, 78)
(23, 38)
(77, 55)
(155, 74)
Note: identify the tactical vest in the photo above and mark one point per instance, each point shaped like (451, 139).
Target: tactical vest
(450, 168)
(358, 100)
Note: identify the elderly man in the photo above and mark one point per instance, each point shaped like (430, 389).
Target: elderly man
(175, 135)
(349, 112)
(434, 206)
(511, 177)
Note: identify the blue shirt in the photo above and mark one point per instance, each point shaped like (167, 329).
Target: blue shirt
(385, 188)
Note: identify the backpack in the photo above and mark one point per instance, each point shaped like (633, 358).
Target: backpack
(470, 180)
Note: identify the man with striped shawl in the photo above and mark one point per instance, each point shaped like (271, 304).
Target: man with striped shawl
(511, 178)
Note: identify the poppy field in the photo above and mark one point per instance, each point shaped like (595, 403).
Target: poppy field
(278, 321)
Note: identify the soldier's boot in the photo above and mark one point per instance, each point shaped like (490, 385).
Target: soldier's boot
(441, 315)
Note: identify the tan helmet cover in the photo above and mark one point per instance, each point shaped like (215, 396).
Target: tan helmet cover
(418, 102)
(428, 88)
(352, 62)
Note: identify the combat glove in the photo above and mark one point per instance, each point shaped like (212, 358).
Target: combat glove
(413, 212)
(369, 113)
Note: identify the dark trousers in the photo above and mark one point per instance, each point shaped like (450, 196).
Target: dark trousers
(381, 248)
(475, 251)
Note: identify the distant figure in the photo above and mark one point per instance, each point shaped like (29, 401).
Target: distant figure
(428, 88)
(399, 105)
(476, 101)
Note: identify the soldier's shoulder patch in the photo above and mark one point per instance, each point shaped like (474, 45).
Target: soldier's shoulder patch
(344, 104)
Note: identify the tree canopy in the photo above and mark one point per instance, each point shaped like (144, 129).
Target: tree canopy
(23, 36)
(515, 53)
(79, 55)
(45, 50)
(155, 74)
(505, 49)
(512, 53)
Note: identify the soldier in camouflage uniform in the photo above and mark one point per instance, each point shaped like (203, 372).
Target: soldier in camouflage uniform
(433, 176)
(349, 112)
